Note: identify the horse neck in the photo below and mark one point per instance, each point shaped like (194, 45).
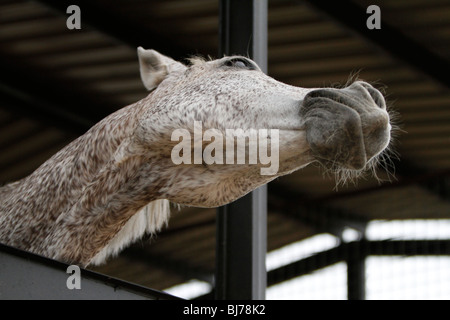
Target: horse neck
(69, 170)
(53, 188)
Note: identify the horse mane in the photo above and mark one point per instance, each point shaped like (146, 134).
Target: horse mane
(149, 220)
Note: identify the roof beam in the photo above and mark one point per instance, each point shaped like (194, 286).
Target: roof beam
(24, 89)
(54, 102)
(180, 268)
(317, 214)
(117, 26)
(437, 181)
(389, 39)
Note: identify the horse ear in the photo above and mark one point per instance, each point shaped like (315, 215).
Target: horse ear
(154, 67)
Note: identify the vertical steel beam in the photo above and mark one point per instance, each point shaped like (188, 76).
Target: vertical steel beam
(242, 225)
(356, 271)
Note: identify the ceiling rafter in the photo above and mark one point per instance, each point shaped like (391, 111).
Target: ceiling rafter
(317, 214)
(45, 97)
(180, 268)
(118, 27)
(47, 100)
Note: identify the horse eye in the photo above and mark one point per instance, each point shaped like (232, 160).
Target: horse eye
(239, 63)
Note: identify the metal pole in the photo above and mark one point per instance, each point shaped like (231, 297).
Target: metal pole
(242, 225)
(356, 271)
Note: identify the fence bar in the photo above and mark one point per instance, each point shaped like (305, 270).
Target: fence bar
(370, 248)
(242, 225)
(24, 275)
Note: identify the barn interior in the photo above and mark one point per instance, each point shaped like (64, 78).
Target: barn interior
(55, 83)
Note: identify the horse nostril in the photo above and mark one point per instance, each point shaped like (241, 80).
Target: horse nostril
(375, 94)
(317, 93)
(377, 97)
(356, 95)
(326, 93)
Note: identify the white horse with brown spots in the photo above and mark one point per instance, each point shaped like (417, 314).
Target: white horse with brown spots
(114, 183)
